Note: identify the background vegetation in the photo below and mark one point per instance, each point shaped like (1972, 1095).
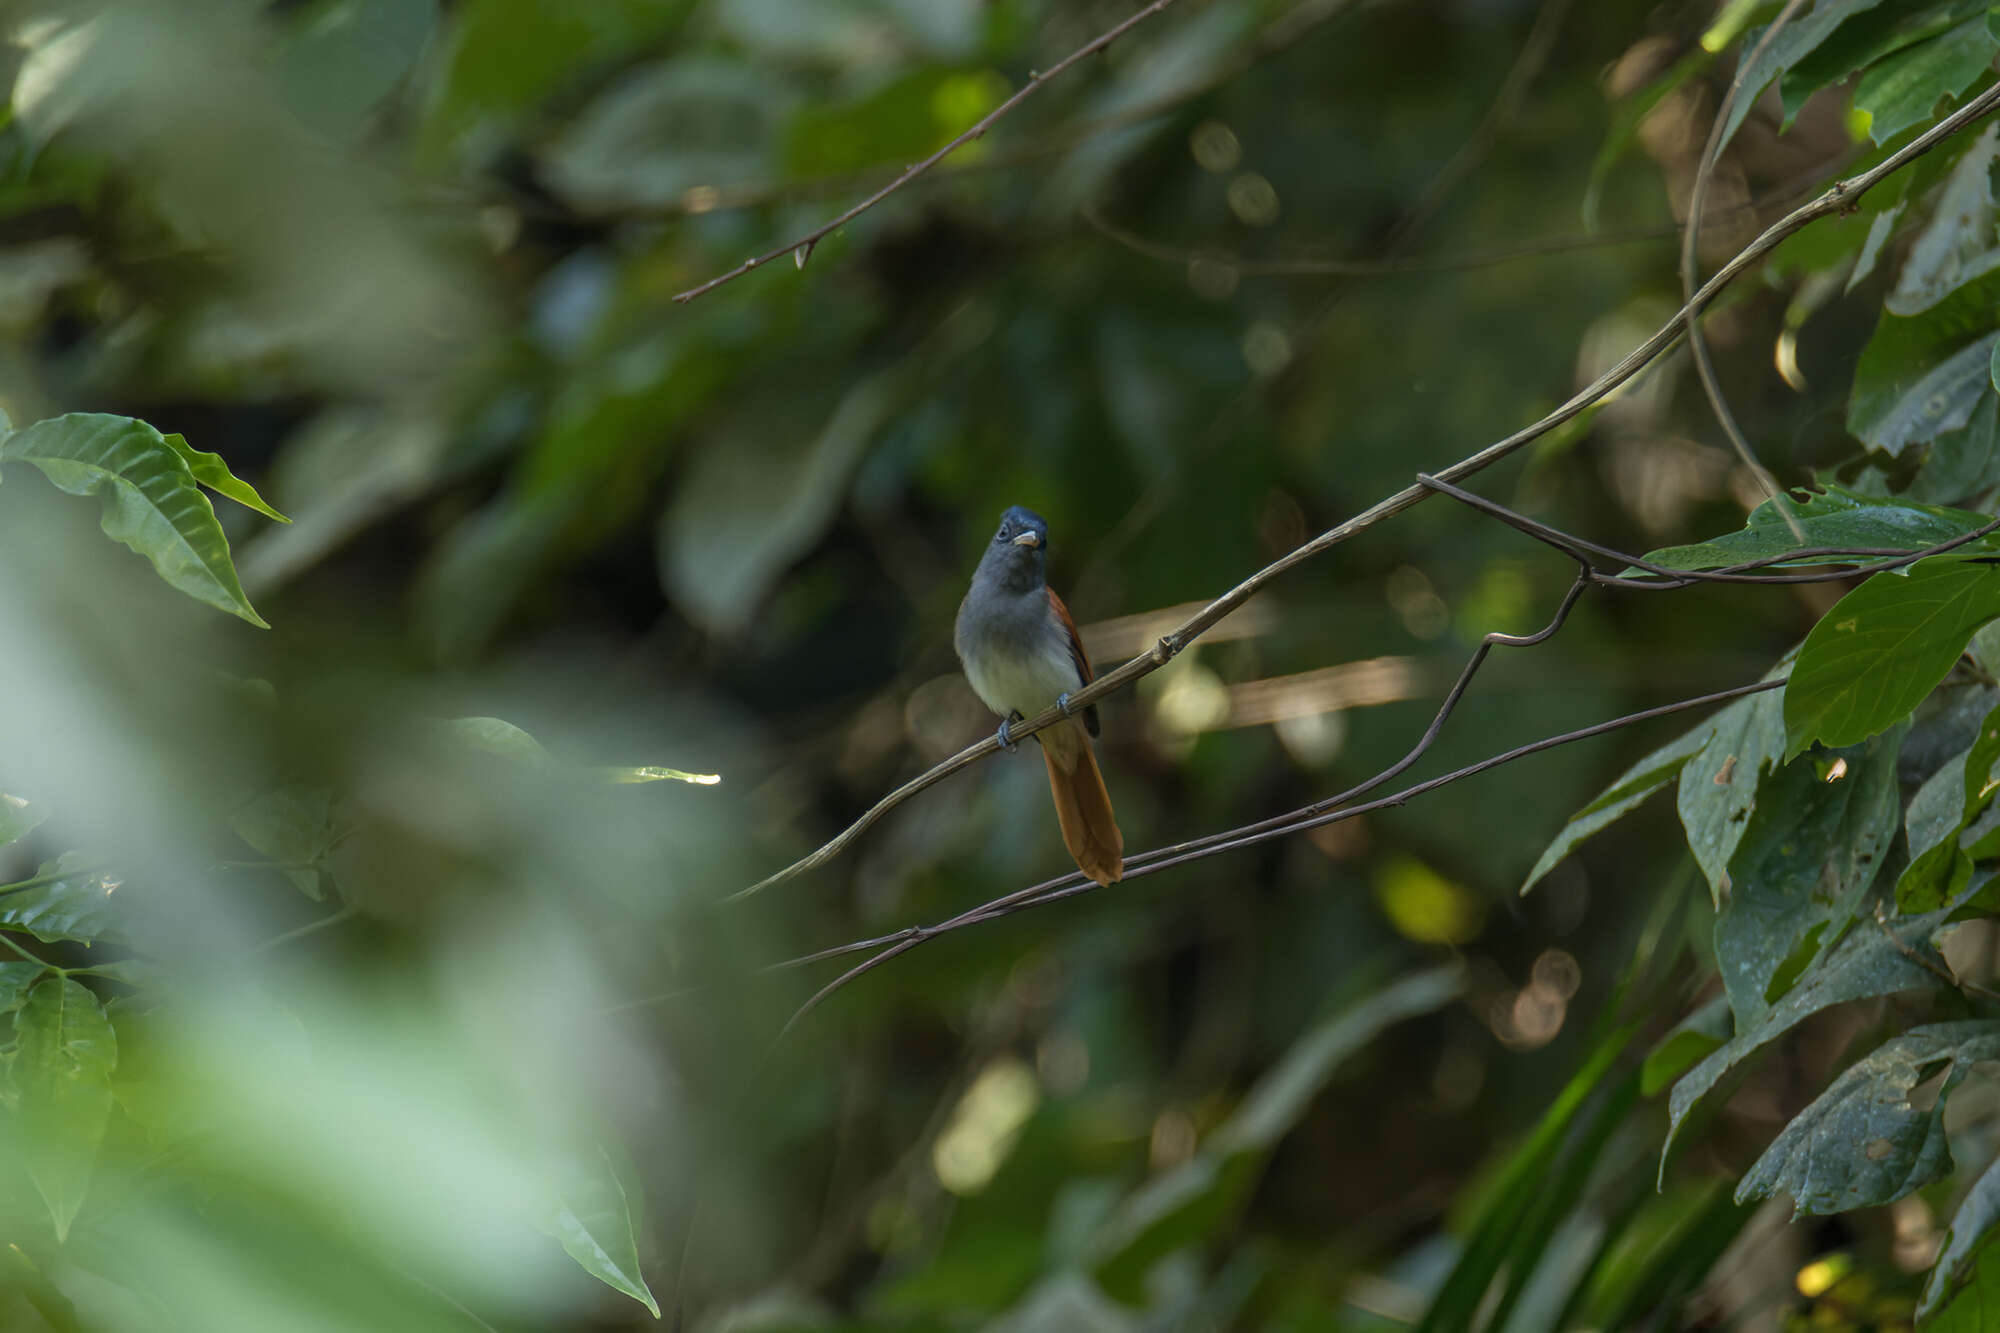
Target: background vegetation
(370, 955)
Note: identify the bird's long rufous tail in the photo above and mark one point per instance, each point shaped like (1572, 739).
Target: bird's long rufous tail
(1082, 805)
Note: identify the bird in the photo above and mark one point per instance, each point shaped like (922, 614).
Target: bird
(1020, 651)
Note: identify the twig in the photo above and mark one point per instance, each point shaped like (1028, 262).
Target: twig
(1576, 548)
(309, 928)
(803, 246)
(1307, 817)
(1831, 200)
(1690, 270)
(1928, 964)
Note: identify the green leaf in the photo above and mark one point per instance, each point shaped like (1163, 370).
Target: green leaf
(1194, 1198)
(79, 903)
(1934, 877)
(18, 818)
(1956, 245)
(62, 1083)
(212, 472)
(1884, 647)
(669, 127)
(1836, 517)
(501, 58)
(1282, 1095)
(1718, 789)
(337, 63)
(1964, 462)
(1865, 963)
(1066, 1302)
(1921, 375)
(1861, 1142)
(654, 773)
(1813, 848)
(1964, 1240)
(1693, 1038)
(1975, 1307)
(293, 824)
(596, 1221)
(762, 495)
(1901, 90)
(1949, 803)
(1681, 1231)
(151, 503)
(1512, 1219)
(1863, 40)
(1796, 40)
(1623, 796)
(15, 978)
(497, 736)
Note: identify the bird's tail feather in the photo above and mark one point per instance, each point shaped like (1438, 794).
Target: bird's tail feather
(1083, 807)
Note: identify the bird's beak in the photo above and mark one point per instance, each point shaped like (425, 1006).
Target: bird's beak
(1028, 539)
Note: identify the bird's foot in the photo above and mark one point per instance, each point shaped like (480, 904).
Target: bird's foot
(1062, 702)
(1007, 742)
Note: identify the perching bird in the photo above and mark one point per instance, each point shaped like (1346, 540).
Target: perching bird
(1021, 652)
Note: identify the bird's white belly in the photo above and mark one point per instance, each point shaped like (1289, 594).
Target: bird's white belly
(1023, 682)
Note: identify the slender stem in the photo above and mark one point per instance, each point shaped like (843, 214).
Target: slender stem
(27, 957)
(802, 246)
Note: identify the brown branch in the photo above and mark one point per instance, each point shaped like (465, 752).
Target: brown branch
(1306, 817)
(1690, 270)
(802, 247)
(1833, 199)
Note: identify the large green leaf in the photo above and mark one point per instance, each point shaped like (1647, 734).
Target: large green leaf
(1884, 647)
(1966, 1239)
(1718, 788)
(1956, 245)
(1870, 960)
(77, 901)
(1921, 375)
(62, 1083)
(1903, 89)
(1862, 1142)
(597, 1221)
(1624, 795)
(1835, 517)
(151, 502)
(1813, 848)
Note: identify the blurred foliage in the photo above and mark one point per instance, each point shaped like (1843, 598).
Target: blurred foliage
(366, 959)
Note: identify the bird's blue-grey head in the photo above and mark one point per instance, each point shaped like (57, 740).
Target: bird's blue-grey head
(1018, 549)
